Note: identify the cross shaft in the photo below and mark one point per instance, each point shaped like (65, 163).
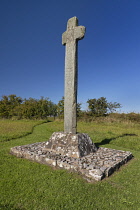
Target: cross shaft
(70, 39)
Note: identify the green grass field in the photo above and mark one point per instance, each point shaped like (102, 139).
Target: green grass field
(26, 185)
(10, 129)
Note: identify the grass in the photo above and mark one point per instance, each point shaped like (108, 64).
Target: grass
(11, 129)
(28, 185)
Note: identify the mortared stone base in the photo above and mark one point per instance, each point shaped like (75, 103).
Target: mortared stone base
(71, 145)
(71, 152)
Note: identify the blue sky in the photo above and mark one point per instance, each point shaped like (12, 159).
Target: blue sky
(32, 54)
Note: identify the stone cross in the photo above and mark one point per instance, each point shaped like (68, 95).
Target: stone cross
(70, 39)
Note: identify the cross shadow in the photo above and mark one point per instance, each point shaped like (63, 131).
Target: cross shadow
(107, 141)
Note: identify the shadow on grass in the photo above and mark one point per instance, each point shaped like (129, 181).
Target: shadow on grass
(107, 141)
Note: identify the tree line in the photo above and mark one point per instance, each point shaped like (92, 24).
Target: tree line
(15, 107)
(12, 106)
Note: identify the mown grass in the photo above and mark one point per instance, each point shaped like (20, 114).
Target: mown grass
(29, 185)
(11, 129)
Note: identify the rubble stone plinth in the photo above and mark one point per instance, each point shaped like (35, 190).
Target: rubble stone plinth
(94, 166)
(71, 145)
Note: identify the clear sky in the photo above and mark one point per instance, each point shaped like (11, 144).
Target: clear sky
(32, 55)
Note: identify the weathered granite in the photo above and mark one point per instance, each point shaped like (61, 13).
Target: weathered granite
(94, 166)
(70, 39)
(71, 145)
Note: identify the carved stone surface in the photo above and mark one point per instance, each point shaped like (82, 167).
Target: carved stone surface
(70, 39)
(71, 145)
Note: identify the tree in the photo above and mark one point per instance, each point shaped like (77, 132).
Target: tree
(79, 109)
(100, 106)
(43, 107)
(14, 101)
(60, 108)
(113, 106)
(53, 110)
(13, 106)
(97, 107)
(30, 108)
(8, 104)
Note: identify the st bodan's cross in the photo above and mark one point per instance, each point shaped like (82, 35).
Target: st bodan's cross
(70, 39)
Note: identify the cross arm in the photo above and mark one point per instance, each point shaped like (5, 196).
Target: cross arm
(73, 34)
(64, 38)
(79, 32)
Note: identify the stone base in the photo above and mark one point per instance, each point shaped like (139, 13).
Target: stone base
(71, 145)
(94, 166)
